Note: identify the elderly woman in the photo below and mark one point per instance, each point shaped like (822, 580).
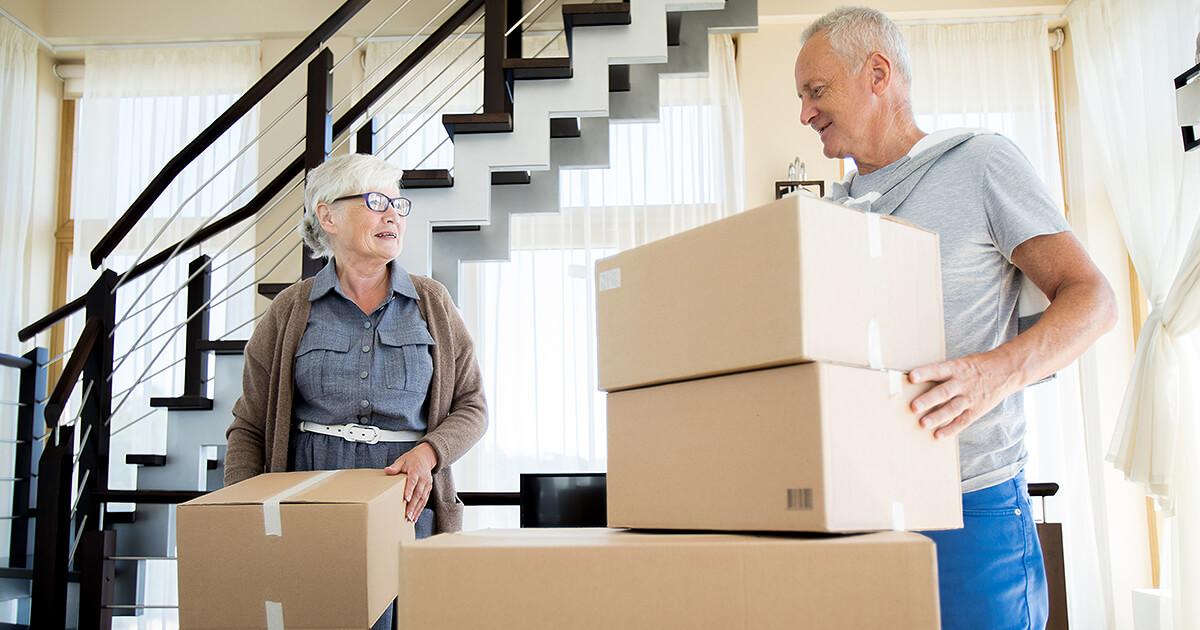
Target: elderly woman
(363, 365)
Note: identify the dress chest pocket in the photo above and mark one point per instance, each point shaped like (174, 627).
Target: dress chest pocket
(406, 358)
(317, 358)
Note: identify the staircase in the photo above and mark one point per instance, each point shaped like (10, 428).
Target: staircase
(538, 116)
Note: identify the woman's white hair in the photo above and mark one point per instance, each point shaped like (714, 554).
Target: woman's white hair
(340, 176)
(856, 32)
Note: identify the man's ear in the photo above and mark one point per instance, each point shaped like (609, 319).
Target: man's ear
(881, 72)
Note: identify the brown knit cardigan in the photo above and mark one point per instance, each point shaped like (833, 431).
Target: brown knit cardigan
(262, 417)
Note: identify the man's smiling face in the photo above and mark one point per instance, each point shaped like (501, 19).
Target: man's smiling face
(834, 102)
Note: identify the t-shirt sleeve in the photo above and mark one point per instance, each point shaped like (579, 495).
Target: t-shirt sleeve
(1017, 203)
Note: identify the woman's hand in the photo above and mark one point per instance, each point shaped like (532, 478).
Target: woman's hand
(418, 464)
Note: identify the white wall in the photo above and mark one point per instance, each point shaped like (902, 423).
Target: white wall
(774, 135)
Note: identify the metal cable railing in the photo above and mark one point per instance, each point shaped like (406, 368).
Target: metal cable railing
(133, 422)
(212, 302)
(178, 248)
(126, 394)
(417, 116)
(366, 39)
(180, 245)
(261, 242)
(138, 343)
(176, 328)
(398, 90)
(256, 317)
(273, 77)
(251, 285)
(377, 28)
(440, 144)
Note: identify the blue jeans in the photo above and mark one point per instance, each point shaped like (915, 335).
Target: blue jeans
(990, 572)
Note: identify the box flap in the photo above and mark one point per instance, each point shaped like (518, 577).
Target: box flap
(343, 486)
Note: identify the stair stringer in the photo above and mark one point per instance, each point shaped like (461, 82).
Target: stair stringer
(491, 241)
(527, 148)
(152, 533)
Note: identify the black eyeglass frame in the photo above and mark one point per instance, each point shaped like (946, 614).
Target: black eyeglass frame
(391, 201)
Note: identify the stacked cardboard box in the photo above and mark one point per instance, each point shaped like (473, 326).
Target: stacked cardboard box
(585, 579)
(754, 370)
(292, 550)
(752, 366)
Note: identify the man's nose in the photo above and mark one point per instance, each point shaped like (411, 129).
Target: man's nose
(807, 114)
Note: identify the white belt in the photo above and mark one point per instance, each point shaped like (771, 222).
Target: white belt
(361, 432)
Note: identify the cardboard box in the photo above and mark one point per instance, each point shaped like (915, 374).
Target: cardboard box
(600, 579)
(308, 549)
(797, 280)
(814, 447)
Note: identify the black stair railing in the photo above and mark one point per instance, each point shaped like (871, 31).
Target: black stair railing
(318, 105)
(56, 528)
(73, 456)
(223, 123)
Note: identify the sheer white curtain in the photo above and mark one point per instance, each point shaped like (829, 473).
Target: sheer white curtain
(139, 108)
(998, 75)
(1128, 53)
(533, 317)
(18, 103)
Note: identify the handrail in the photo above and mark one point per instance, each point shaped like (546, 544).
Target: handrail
(7, 360)
(277, 184)
(52, 318)
(72, 370)
(223, 123)
(404, 67)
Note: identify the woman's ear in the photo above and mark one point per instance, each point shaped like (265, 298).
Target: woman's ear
(327, 217)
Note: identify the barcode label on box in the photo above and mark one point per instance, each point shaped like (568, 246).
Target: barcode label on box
(800, 499)
(610, 279)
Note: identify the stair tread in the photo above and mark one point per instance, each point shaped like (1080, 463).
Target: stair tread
(509, 178)
(188, 403)
(147, 496)
(477, 123)
(427, 178)
(537, 62)
(222, 346)
(597, 14)
(539, 68)
(564, 128)
(137, 459)
(271, 289)
(618, 78)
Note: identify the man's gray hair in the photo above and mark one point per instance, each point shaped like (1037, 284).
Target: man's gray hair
(856, 32)
(343, 175)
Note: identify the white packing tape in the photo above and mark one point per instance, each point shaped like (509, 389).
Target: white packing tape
(874, 347)
(895, 383)
(274, 615)
(874, 240)
(898, 516)
(272, 523)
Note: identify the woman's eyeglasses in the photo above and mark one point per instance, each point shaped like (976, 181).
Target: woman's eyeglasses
(379, 202)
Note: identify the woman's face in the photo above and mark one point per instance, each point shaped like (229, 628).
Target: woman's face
(360, 234)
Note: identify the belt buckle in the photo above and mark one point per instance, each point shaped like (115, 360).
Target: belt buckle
(362, 433)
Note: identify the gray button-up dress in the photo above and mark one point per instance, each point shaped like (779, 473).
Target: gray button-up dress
(358, 368)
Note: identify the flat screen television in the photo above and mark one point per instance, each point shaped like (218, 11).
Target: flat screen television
(564, 500)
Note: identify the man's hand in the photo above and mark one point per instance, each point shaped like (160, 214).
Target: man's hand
(1082, 307)
(969, 387)
(418, 464)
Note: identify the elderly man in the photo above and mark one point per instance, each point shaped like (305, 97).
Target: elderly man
(996, 222)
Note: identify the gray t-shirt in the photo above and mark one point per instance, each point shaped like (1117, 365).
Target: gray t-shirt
(983, 199)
